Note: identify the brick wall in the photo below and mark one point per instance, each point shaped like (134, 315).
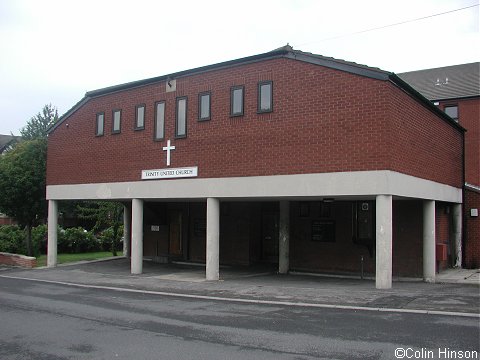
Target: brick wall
(4, 220)
(472, 231)
(324, 120)
(422, 144)
(469, 118)
(17, 260)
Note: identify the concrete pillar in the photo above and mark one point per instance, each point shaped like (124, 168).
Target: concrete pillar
(127, 230)
(284, 238)
(52, 233)
(137, 237)
(457, 233)
(429, 241)
(213, 239)
(383, 253)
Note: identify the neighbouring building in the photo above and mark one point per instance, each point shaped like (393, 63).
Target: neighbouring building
(6, 220)
(456, 90)
(6, 142)
(299, 160)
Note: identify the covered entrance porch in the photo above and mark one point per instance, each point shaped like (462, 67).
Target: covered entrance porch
(304, 222)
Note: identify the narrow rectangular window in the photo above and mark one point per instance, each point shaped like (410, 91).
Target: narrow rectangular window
(100, 125)
(159, 120)
(181, 118)
(265, 98)
(140, 117)
(204, 106)
(117, 121)
(452, 111)
(236, 101)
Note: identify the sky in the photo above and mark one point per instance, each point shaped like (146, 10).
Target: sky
(54, 51)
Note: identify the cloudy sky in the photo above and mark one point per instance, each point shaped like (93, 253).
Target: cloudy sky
(53, 51)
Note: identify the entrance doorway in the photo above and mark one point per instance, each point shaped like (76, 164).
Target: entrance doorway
(364, 225)
(270, 228)
(175, 233)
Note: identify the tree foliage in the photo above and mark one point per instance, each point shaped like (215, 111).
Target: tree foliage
(106, 215)
(38, 125)
(22, 184)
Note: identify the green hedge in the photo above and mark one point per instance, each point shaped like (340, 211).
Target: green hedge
(12, 239)
(71, 240)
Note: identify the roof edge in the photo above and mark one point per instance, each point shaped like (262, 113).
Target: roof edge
(457, 98)
(472, 187)
(285, 52)
(139, 83)
(253, 58)
(341, 65)
(427, 103)
(69, 112)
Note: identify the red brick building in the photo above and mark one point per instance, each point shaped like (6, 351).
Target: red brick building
(286, 157)
(456, 90)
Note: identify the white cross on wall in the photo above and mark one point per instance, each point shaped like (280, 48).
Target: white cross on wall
(168, 148)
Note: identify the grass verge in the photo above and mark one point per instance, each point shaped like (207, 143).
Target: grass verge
(65, 258)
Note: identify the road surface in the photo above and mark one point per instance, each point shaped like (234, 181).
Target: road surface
(51, 321)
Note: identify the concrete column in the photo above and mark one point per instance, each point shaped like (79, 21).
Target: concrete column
(457, 233)
(52, 233)
(383, 253)
(429, 241)
(137, 237)
(284, 238)
(213, 239)
(127, 230)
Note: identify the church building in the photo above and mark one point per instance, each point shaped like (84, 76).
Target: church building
(305, 162)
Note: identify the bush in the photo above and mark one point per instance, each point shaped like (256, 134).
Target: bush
(39, 239)
(12, 239)
(76, 240)
(71, 240)
(106, 238)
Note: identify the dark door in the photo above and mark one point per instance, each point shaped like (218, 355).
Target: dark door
(175, 233)
(270, 219)
(364, 224)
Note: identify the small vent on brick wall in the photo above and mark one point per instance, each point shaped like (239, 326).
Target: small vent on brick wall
(170, 85)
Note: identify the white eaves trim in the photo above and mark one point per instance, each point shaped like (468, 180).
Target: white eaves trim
(339, 184)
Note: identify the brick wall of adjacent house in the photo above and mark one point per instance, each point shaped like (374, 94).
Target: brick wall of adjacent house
(324, 120)
(17, 260)
(472, 231)
(5, 220)
(469, 118)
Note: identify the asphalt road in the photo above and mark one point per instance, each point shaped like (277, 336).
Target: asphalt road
(50, 321)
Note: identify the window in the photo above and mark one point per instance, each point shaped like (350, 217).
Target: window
(452, 111)
(236, 101)
(100, 124)
(159, 120)
(204, 106)
(265, 99)
(140, 117)
(181, 118)
(117, 121)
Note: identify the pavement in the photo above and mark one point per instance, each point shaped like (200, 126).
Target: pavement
(456, 291)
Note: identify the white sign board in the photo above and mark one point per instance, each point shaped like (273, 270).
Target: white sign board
(170, 173)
